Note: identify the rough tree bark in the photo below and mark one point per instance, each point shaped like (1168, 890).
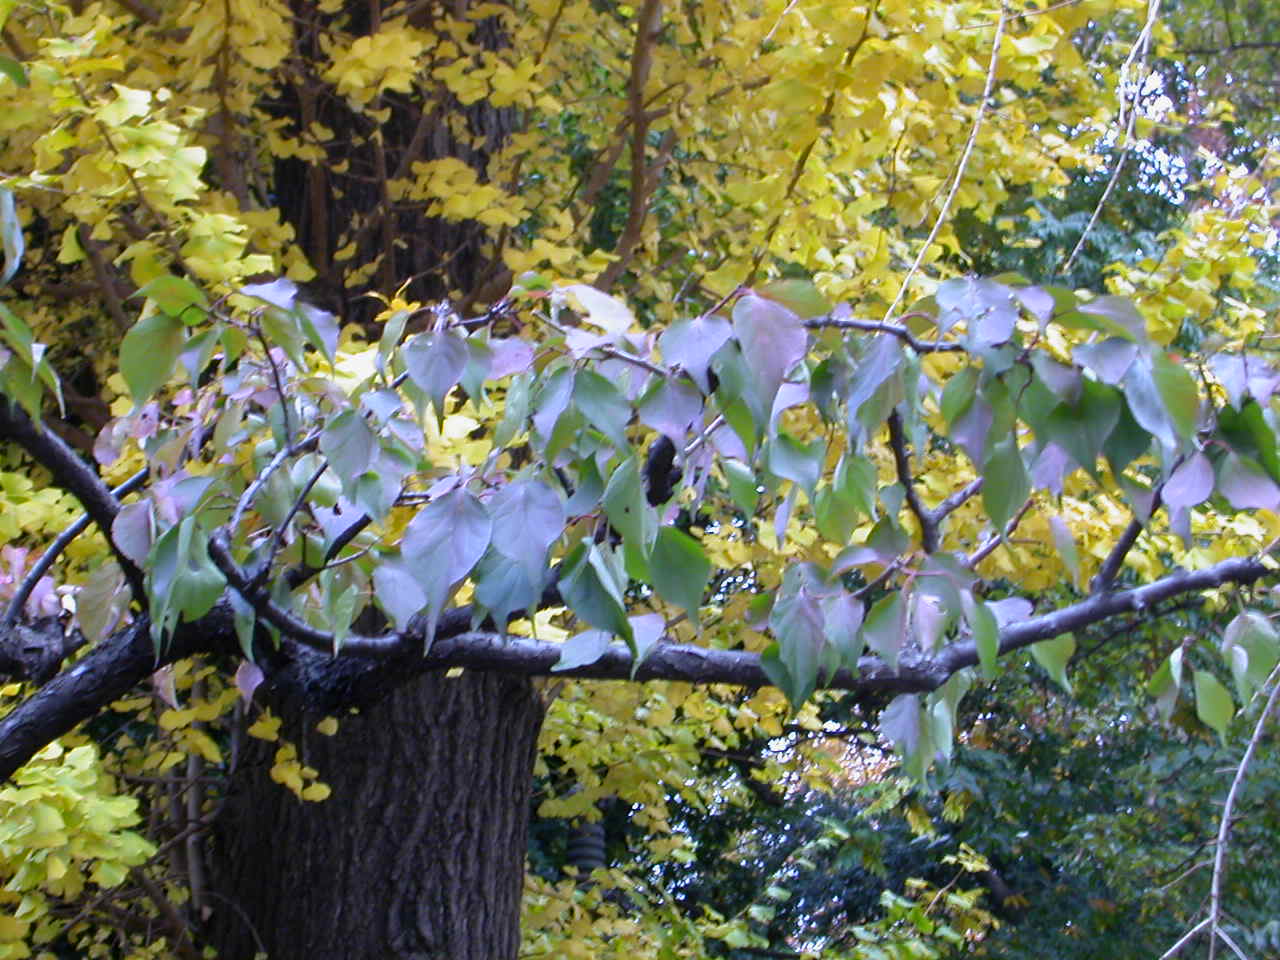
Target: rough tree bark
(419, 852)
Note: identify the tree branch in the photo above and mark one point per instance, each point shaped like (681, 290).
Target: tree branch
(73, 475)
(368, 666)
(928, 524)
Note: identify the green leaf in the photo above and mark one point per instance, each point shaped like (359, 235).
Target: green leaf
(797, 462)
(1178, 391)
(986, 632)
(798, 624)
(691, 343)
(1006, 485)
(627, 509)
(348, 443)
(148, 354)
(680, 569)
(10, 233)
(583, 649)
(742, 485)
(15, 71)
(885, 628)
(797, 294)
(773, 340)
(958, 394)
(435, 363)
(174, 296)
(1081, 429)
(592, 587)
(528, 516)
(1053, 655)
(443, 543)
(397, 591)
(1251, 647)
(1214, 706)
(503, 586)
(1066, 546)
(604, 406)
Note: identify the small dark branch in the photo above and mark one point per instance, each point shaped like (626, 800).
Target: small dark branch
(41, 566)
(1110, 568)
(35, 649)
(246, 498)
(1103, 606)
(297, 575)
(957, 500)
(102, 276)
(386, 645)
(112, 667)
(643, 177)
(926, 518)
(894, 329)
(73, 475)
(277, 537)
(996, 539)
(278, 380)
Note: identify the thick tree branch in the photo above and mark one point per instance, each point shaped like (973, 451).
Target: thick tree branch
(369, 666)
(73, 475)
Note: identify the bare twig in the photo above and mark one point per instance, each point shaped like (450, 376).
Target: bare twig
(1224, 824)
(996, 539)
(902, 461)
(73, 475)
(64, 539)
(960, 167)
(643, 174)
(895, 329)
(1137, 52)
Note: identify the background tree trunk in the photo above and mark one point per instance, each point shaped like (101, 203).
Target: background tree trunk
(419, 852)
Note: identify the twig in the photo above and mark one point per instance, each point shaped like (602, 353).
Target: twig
(643, 175)
(996, 539)
(278, 535)
(1110, 568)
(960, 169)
(1139, 48)
(279, 384)
(64, 539)
(73, 475)
(1224, 825)
(896, 329)
(102, 276)
(898, 444)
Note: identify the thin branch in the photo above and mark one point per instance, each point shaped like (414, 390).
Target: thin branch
(1136, 52)
(898, 444)
(996, 539)
(960, 168)
(958, 499)
(1224, 825)
(896, 329)
(102, 276)
(64, 539)
(643, 176)
(73, 475)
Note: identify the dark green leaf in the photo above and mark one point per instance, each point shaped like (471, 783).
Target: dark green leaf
(149, 352)
(680, 569)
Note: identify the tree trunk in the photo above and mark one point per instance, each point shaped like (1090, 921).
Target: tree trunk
(419, 852)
